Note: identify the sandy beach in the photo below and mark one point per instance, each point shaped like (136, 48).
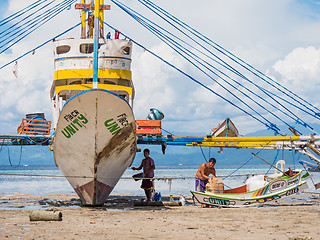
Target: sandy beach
(297, 217)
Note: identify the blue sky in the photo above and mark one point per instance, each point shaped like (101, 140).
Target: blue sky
(280, 38)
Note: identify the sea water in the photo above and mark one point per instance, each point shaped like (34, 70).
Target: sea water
(169, 180)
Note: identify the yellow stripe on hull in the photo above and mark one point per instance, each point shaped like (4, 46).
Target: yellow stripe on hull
(255, 193)
(109, 87)
(87, 73)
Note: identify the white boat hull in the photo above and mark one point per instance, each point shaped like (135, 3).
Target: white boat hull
(95, 142)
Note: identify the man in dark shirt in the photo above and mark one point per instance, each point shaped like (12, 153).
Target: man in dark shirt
(148, 166)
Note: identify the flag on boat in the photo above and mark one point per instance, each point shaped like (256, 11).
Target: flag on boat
(15, 69)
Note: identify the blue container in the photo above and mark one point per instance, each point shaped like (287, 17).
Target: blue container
(155, 114)
(157, 196)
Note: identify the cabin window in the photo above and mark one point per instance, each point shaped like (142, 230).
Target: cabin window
(75, 82)
(63, 49)
(87, 47)
(109, 82)
(123, 82)
(126, 50)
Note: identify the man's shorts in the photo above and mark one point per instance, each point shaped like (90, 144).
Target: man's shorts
(147, 184)
(201, 185)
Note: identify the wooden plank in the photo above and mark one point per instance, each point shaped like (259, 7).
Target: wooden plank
(149, 123)
(36, 125)
(148, 127)
(149, 131)
(35, 129)
(34, 120)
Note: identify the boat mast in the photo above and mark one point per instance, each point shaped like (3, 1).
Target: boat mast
(96, 43)
(101, 18)
(95, 30)
(83, 20)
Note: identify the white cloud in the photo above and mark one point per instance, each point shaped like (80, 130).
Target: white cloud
(300, 70)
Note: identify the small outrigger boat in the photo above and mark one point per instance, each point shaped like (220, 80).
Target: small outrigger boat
(271, 188)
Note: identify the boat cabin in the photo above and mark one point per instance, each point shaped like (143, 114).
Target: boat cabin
(73, 69)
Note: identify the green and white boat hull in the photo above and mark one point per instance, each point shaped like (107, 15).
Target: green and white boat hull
(280, 187)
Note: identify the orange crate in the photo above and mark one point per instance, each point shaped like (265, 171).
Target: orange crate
(34, 126)
(148, 127)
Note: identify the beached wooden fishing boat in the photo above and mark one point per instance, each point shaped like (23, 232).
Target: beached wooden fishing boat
(92, 96)
(271, 188)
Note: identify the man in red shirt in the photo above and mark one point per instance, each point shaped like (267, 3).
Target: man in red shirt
(148, 166)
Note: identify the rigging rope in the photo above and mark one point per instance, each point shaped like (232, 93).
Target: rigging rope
(193, 79)
(246, 162)
(226, 52)
(44, 141)
(304, 124)
(230, 67)
(41, 45)
(21, 12)
(176, 46)
(313, 115)
(161, 36)
(19, 158)
(20, 23)
(203, 154)
(47, 17)
(274, 160)
(167, 131)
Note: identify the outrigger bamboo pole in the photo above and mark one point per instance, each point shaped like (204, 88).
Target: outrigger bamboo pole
(316, 151)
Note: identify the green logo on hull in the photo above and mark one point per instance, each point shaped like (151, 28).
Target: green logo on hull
(78, 122)
(112, 126)
(115, 125)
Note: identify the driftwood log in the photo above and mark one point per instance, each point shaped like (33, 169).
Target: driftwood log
(38, 215)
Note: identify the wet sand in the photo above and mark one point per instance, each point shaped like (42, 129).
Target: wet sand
(296, 218)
